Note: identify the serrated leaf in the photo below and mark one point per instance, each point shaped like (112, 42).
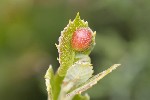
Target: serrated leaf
(49, 82)
(79, 72)
(75, 71)
(76, 75)
(92, 81)
(66, 53)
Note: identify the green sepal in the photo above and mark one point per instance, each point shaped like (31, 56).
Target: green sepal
(66, 52)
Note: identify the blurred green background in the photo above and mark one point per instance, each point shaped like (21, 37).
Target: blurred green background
(30, 28)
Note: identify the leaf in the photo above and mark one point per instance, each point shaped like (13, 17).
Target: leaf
(80, 97)
(92, 81)
(66, 53)
(76, 75)
(49, 82)
(79, 72)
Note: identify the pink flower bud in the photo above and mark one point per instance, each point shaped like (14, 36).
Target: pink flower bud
(81, 39)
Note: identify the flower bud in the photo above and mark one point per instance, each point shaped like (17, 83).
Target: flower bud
(81, 39)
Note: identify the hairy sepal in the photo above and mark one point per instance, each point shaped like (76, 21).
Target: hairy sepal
(66, 52)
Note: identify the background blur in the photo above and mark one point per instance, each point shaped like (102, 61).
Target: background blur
(30, 28)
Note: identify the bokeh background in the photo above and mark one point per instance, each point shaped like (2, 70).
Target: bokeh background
(30, 28)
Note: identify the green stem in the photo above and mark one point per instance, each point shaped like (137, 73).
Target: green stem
(57, 85)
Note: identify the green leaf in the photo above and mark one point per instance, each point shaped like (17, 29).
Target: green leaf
(49, 82)
(75, 72)
(76, 75)
(92, 81)
(66, 53)
(79, 72)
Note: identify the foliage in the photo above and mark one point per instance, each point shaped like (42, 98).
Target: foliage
(30, 28)
(74, 75)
